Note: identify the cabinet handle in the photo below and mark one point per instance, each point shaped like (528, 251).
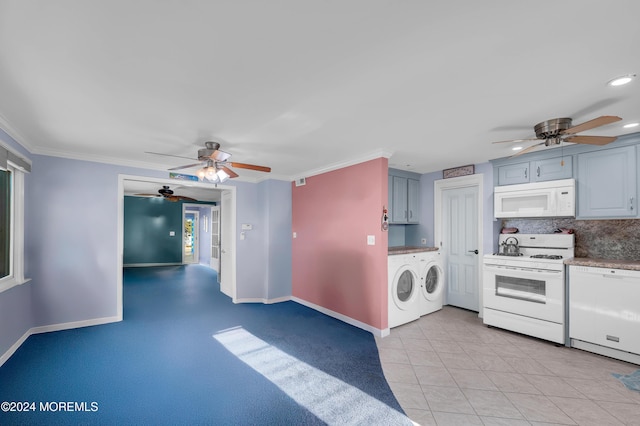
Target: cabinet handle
(538, 171)
(631, 203)
(405, 214)
(613, 338)
(525, 173)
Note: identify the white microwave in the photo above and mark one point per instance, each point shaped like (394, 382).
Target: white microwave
(555, 198)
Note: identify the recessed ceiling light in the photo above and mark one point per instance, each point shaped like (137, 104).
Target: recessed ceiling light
(516, 148)
(630, 125)
(622, 80)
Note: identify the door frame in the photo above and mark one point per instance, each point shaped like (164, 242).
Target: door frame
(439, 186)
(120, 231)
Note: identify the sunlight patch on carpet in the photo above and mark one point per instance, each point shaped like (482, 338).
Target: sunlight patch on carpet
(328, 398)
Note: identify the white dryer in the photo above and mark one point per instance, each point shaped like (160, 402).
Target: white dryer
(430, 269)
(404, 288)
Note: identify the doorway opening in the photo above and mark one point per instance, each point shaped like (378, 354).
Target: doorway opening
(130, 185)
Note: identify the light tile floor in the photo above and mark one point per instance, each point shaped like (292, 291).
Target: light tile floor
(447, 368)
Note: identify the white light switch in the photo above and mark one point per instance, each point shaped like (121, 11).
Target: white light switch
(371, 240)
(172, 233)
(295, 235)
(242, 235)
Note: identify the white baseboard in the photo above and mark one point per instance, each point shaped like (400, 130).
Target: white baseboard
(55, 327)
(261, 300)
(5, 356)
(375, 331)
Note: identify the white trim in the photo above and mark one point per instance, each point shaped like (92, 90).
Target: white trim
(55, 327)
(15, 135)
(16, 276)
(335, 166)
(475, 180)
(262, 300)
(366, 327)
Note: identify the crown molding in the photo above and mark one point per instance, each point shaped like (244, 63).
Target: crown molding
(379, 153)
(15, 134)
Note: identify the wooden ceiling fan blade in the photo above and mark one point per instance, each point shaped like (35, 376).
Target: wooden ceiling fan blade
(182, 198)
(230, 172)
(185, 167)
(591, 140)
(591, 124)
(531, 148)
(250, 167)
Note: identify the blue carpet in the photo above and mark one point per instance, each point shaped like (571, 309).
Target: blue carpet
(631, 381)
(185, 354)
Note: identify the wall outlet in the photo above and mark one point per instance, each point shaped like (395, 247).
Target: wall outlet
(423, 241)
(371, 240)
(295, 235)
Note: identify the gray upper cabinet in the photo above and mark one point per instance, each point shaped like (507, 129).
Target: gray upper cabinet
(536, 171)
(607, 183)
(552, 169)
(403, 195)
(512, 174)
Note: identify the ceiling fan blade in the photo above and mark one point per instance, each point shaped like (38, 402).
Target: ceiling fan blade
(230, 172)
(250, 167)
(592, 124)
(169, 155)
(531, 148)
(220, 155)
(518, 140)
(591, 140)
(181, 198)
(185, 167)
(147, 195)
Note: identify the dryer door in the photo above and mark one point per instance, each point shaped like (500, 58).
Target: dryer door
(405, 288)
(433, 283)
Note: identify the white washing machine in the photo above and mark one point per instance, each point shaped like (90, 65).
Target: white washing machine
(404, 289)
(431, 271)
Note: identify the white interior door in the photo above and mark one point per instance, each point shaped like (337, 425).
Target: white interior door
(226, 273)
(215, 239)
(458, 232)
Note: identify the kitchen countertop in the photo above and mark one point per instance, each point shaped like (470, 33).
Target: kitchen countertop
(410, 249)
(631, 265)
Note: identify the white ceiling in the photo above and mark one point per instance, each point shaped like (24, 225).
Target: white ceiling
(305, 86)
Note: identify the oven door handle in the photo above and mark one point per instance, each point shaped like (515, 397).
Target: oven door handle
(538, 272)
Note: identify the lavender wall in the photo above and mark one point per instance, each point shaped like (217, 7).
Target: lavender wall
(71, 248)
(277, 244)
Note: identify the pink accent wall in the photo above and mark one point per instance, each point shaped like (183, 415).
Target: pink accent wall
(333, 267)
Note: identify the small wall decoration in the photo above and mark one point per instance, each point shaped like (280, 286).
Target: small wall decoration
(458, 171)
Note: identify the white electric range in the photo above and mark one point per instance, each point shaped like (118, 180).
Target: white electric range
(526, 292)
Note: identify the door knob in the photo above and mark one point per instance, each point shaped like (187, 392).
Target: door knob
(474, 251)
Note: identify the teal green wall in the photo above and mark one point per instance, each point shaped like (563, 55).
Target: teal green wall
(147, 224)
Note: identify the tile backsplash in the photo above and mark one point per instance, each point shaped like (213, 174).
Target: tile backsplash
(607, 239)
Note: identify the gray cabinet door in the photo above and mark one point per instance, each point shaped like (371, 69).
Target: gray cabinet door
(513, 173)
(413, 201)
(552, 169)
(399, 205)
(607, 183)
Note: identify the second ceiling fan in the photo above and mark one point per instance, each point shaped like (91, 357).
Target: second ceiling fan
(557, 130)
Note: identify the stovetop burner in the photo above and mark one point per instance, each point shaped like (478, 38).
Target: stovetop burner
(547, 256)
